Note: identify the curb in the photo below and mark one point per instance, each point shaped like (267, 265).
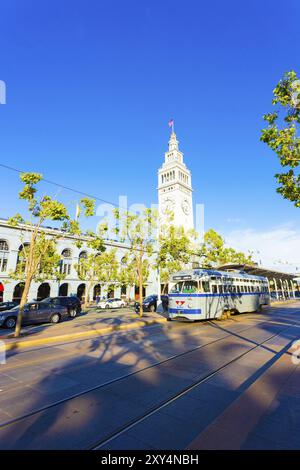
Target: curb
(283, 302)
(18, 345)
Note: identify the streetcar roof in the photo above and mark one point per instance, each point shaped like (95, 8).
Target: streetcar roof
(208, 273)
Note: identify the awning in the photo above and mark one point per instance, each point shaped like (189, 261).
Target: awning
(260, 271)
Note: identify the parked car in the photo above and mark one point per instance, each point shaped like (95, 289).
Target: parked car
(73, 304)
(7, 306)
(111, 303)
(34, 312)
(150, 303)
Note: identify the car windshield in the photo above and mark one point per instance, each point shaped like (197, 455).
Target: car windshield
(148, 299)
(15, 308)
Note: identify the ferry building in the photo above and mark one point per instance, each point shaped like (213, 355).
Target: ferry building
(174, 192)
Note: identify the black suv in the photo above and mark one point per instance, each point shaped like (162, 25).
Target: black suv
(149, 304)
(73, 304)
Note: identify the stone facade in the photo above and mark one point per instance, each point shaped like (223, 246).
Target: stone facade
(11, 239)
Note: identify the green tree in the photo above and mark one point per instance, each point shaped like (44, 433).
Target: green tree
(137, 231)
(176, 248)
(39, 259)
(214, 252)
(99, 267)
(282, 135)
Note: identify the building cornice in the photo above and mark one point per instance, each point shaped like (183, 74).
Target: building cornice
(60, 233)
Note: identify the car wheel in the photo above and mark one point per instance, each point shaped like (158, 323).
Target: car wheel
(55, 318)
(106, 306)
(10, 322)
(152, 308)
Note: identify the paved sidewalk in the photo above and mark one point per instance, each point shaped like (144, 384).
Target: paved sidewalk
(95, 322)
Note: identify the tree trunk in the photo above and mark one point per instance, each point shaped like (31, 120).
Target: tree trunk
(87, 295)
(21, 307)
(141, 290)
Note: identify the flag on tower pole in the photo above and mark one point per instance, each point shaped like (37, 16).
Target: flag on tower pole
(171, 124)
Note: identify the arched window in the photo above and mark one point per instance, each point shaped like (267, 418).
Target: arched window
(3, 255)
(82, 255)
(66, 263)
(66, 253)
(22, 255)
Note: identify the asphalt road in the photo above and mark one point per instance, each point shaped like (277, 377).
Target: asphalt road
(229, 384)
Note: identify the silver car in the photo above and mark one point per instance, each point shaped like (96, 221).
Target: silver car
(34, 312)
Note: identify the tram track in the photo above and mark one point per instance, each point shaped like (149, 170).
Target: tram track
(125, 376)
(151, 366)
(103, 442)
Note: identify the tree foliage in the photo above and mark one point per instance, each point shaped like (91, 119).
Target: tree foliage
(100, 267)
(282, 135)
(137, 231)
(214, 252)
(38, 259)
(176, 248)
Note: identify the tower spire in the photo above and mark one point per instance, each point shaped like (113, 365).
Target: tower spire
(175, 185)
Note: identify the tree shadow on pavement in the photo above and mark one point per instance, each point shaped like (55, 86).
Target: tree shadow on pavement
(97, 387)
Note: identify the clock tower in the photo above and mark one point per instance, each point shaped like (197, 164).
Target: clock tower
(175, 186)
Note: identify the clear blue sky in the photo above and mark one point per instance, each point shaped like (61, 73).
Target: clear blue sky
(92, 84)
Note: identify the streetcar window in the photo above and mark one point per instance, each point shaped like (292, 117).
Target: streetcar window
(214, 289)
(205, 286)
(190, 287)
(233, 288)
(220, 289)
(238, 289)
(177, 288)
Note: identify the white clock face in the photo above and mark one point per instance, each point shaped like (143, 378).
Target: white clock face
(185, 205)
(167, 205)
